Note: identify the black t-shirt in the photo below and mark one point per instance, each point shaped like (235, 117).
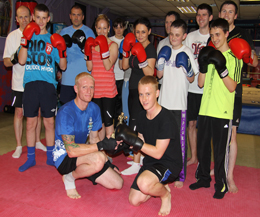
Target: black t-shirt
(237, 32)
(138, 73)
(163, 126)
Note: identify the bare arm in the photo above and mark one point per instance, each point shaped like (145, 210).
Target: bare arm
(7, 62)
(201, 79)
(109, 62)
(160, 74)
(76, 150)
(125, 63)
(190, 79)
(149, 69)
(89, 65)
(156, 151)
(230, 84)
(22, 56)
(93, 137)
(63, 64)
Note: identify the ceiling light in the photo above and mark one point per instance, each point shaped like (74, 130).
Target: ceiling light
(188, 10)
(178, 0)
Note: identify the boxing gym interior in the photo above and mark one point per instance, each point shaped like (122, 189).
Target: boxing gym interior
(45, 194)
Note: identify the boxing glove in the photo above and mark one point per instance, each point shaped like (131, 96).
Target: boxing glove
(28, 33)
(125, 133)
(79, 38)
(90, 42)
(103, 46)
(129, 42)
(203, 58)
(163, 56)
(211, 44)
(120, 53)
(183, 60)
(139, 52)
(59, 42)
(14, 58)
(241, 49)
(107, 144)
(68, 40)
(217, 58)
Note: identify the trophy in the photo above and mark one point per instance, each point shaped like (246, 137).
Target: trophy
(121, 120)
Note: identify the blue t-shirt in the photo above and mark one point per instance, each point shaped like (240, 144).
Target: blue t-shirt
(41, 58)
(71, 120)
(75, 58)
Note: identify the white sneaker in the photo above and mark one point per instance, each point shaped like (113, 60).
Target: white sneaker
(40, 146)
(18, 152)
(132, 169)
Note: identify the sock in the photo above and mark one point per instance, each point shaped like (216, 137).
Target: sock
(40, 146)
(49, 156)
(30, 159)
(132, 169)
(18, 152)
(69, 181)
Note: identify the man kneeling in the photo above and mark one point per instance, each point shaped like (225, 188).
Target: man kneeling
(74, 159)
(158, 139)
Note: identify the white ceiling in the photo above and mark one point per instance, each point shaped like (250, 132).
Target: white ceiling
(157, 9)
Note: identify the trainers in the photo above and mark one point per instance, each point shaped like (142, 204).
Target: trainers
(141, 161)
(18, 152)
(220, 193)
(40, 146)
(132, 169)
(199, 184)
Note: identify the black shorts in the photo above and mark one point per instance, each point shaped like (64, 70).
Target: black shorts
(70, 164)
(67, 93)
(237, 111)
(39, 94)
(107, 109)
(164, 175)
(194, 100)
(17, 99)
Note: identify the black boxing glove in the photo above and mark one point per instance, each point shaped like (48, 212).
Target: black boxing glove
(107, 144)
(14, 58)
(79, 38)
(68, 40)
(203, 58)
(217, 58)
(125, 133)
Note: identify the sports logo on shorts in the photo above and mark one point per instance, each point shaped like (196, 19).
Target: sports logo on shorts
(48, 48)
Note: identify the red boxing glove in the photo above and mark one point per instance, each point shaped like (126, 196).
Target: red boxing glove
(59, 42)
(88, 48)
(241, 49)
(129, 42)
(103, 46)
(28, 33)
(211, 44)
(139, 52)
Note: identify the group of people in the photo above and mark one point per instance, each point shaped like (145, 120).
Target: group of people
(199, 75)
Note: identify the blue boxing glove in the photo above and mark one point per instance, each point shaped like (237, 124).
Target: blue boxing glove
(183, 60)
(163, 56)
(120, 53)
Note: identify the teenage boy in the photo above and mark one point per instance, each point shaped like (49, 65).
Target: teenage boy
(174, 89)
(158, 138)
(38, 54)
(219, 74)
(228, 11)
(119, 28)
(169, 18)
(196, 40)
(10, 57)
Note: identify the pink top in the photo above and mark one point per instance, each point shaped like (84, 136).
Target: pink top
(105, 82)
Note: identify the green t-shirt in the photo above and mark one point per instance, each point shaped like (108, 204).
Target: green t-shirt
(217, 101)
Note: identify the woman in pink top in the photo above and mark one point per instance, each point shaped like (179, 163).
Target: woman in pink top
(101, 54)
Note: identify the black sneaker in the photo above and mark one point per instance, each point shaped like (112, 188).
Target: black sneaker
(199, 184)
(220, 193)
